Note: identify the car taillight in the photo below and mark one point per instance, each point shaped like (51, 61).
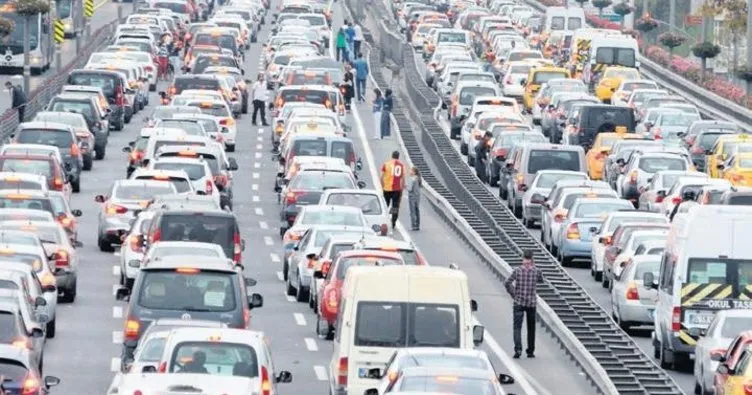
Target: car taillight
(75, 151)
(23, 342)
(573, 232)
(149, 69)
(163, 367)
(659, 198)
(227, 122)
(266, 382)
(62, 259)
(136, 242)
(748, 387)
(58, 184)
(292, 197)
(559, 216)
(332, 301)
(500, 153)
(137, 156)
(113, 209)
(131, 329)
(65, 220)
(119, 96)
(209, 187)
(632, 293)
(156, 236)
(237, 247)
(676, 200)
(676, 319)
(30, 385)
(351, 159)
(342, 372)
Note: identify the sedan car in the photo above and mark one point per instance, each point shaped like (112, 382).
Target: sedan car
(539, 189)
(632, 303)
(459, 381)
(655, 192)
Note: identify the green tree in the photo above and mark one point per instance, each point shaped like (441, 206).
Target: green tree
(671, 40)
(600, 5)
(704, 51)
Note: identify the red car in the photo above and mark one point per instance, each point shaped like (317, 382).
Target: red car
(334, 276)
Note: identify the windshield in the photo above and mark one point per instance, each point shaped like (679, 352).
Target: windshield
(653, 165)
(313, 180)
(385, 324)
(215, 358)
(547, 180)
(553, 159)
(195, 171)
(15, 41)
(468, 94)
(200, 291)
(142, 192)
(57, 138)
(331, 217)
(367, 202)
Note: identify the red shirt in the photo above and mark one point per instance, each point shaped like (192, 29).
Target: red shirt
(392, 172)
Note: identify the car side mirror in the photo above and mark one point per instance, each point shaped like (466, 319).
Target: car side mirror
(537, 199)
(682, 134)
(716, 356)
(38, 332)
(593, 229)
(661, 193)
(473, 305)
(361, 184)
(149, 369)
(201, 193)
(232, 164)
(51, 381)
(284, 377)
(255, 301)
(318, 274)
(648, 281)
(77, 213)
(620, 162)
(720, 166)
(122, 293)
(478, 332)
(524, 81)
(505, 379)
(127, 149)
(40, 301)
(100, 198)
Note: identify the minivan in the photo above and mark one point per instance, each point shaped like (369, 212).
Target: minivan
(525, 162)
(600, 118)
(114, 86)
(314, 145)
(182, 287)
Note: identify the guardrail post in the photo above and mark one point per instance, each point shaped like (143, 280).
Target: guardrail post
(88, 30)
(58, 57)
(120, 12)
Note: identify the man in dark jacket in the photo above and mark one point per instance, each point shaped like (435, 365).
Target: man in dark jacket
(18, 99)
(481, 155)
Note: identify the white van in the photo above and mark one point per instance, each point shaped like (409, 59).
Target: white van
(610, 51)
(386, 308)
(564, 19)
(706, 267)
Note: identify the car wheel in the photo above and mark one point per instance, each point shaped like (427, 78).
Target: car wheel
(290, 291)
(51, 326)
(598, 276)
(301, 293)
(88, 162)
(69, 295)
(604, 280)
(285, 268)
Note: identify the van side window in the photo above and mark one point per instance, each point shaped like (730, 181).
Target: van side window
(574, 23)
(667, 273)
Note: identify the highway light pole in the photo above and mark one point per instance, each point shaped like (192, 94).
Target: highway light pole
(671, 15)
(27, 56)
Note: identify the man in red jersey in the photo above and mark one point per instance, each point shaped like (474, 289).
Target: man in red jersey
(393, 173)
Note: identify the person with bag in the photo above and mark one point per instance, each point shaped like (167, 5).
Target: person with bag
(393, 183)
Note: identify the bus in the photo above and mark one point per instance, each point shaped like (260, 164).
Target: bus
(69, 12)
(40, 42)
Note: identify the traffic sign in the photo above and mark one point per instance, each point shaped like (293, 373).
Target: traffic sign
(88, 8)
(59, 31)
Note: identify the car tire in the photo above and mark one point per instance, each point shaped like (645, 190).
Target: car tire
(301, 293)
(289, 290)
(69, 296)
(493, 181)
(88, 162)
(605, 282)
(598, 276)
(104, 246)
(51, 327)
(99, 152)
(76, 185)
(120, 124)
(310, 300)
(662, 357)
(285, 269)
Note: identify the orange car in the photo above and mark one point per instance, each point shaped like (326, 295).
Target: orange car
(334, 276)
(596, 156)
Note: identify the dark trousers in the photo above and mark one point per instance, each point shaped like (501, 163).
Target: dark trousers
(258, 105)
(414, 203)
(341, 54)
(360, 88)
(517, 315)
(21, 111)
(356, 48)
(393, 199)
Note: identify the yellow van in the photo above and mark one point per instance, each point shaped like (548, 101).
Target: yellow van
(612, 78)
(536, 77)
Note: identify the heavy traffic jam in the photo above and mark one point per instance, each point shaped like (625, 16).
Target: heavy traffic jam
(615, 174)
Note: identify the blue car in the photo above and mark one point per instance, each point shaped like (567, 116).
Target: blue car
(582, 222)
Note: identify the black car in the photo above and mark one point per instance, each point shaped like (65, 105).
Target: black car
(114, 86)
(177, 287)
(18, 372)
(600, 118)
(57, 135)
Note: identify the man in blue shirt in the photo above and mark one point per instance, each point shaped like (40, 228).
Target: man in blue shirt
(361, 75)
(350, 35)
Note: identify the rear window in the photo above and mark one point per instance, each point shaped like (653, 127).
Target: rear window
(309, 147)
(217, 359)
(649, 267)
(548, 180)
(213, 110)
(217, 229)
(615, 222)
(108, 83)
(314, 180)
(32, 166)
(653, 165)
(331, 217)
(570, 199)
(614, 115)
(553, 160)
(195, 171)
(451, 38)
(507, 140)
(164, 143)
(223, 41)
(732, 326)
(542, 77)
(182, 84)
(740, 200)
(308, 95)
(323, 236)
(597, 209)
(161, 251)
(707, 140)
(191, 128)
(152, 350)
(181, 184)
(10, 369)
(8, 284)
(19, 184)
(82, 107)
(139, 192)
(203, 291)
(458, 385)
(368, 203)
(385, 324)
(347, 263)
(468, 94)
(58, 138)
(29, 203)
(343, 150)
(206, 61)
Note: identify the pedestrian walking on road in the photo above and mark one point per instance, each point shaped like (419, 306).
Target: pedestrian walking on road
(260, 96)
(522, 286)
(350, 36)
(482, 149)
(393, 183)
(414, 185)
(361, 75)
(386, 114)
(378, 102)
(18, 99)
(357, 39)
(341, 43)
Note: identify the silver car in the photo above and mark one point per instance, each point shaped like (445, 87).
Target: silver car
(654, 193)
(724, 328)
(536, 194)
(631, 303)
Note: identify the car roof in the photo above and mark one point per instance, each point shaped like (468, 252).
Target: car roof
(187, 244)
(144, 183)
(186, 261)
(447, 371)
(229, 335)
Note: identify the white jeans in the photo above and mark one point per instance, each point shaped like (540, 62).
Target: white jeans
(377, 125)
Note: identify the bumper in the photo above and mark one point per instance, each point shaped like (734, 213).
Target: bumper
(532, 212)
(637, 313)
(575, 248)
(112, 227)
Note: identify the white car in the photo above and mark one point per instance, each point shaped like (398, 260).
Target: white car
(16, 181)
(630, 249)
(222, 112)
(370, 201)
(684, 184)
(132, 249)
(515, 73)
(626, 87)
(197, 169)
(162, 249)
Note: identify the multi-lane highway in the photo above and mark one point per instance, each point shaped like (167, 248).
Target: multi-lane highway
(105, 12)
(85, 352)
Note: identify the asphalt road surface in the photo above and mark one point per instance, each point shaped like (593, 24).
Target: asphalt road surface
(85, 352)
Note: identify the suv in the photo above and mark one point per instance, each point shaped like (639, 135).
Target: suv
(58, 135)
(180, 287)
(596, 118)
(114, 86)
(198, 223)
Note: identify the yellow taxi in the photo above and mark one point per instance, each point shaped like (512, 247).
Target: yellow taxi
(597, 154)
(536, 77)
(738, 170)
(739, 380)
(611, 79)
(720, 152)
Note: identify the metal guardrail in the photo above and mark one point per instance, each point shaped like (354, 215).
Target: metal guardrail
(627, 369)
(51, 86)
(709, 103)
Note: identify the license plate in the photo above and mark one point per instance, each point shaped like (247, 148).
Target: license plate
(698, 318)
(651, 313)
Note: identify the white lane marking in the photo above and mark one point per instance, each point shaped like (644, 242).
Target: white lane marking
(280, 276)
(311, 344)
(260, 139)
(263, 225)
(254, 187)
(114, 364)
(259, 146)
(255, 176)
(259, 211)
(116, 270)
(116, 253)
(275, 258)
(268, 240)
(256, 165)
(256, 199)
(115, 287)
(289, 298)
(260, 130)
(117, 312)
(117, 337)
(320, 373)
(300, 319)
(257, 155)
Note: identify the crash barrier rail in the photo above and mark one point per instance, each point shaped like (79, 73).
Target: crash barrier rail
(39, 97)
(709, 103)
(619, 365)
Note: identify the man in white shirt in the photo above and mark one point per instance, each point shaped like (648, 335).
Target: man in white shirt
(260, 96)
(357, 39)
